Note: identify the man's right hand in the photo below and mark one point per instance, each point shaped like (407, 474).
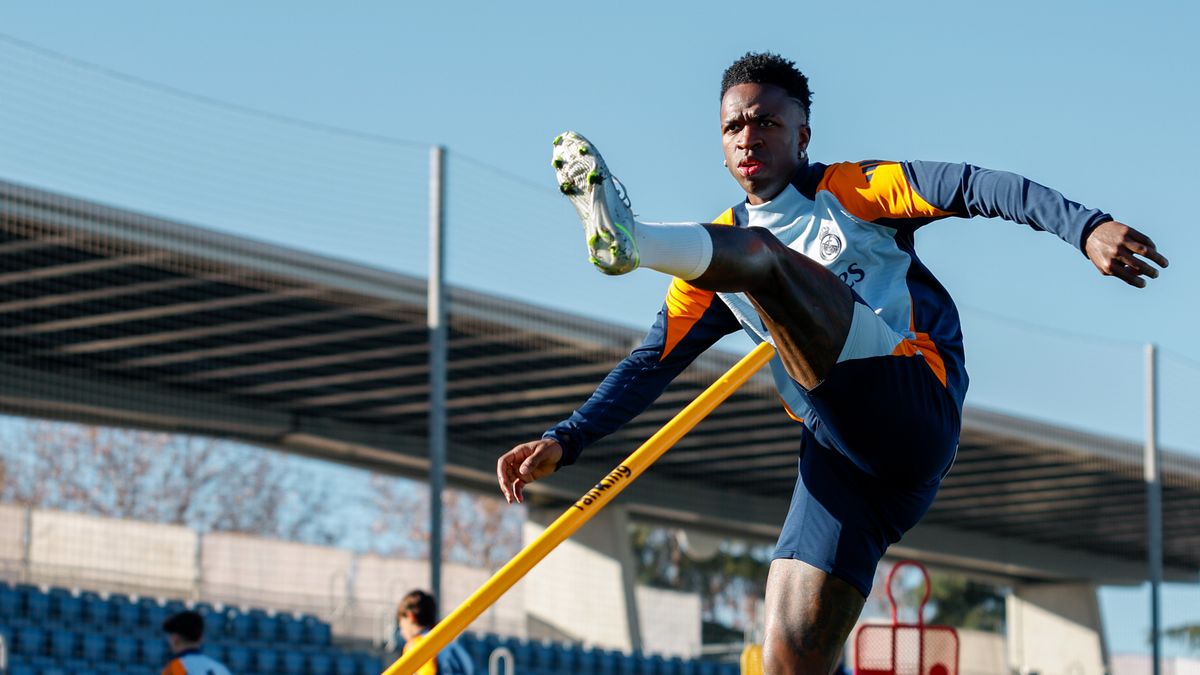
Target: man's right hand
(524, 464)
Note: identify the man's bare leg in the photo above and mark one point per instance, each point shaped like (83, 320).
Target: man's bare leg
(805, 307)
(809, 615)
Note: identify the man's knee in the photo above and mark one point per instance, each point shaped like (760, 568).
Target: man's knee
(809, 617)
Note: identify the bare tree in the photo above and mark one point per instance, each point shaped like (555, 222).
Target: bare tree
(477, 529)
(206, 484)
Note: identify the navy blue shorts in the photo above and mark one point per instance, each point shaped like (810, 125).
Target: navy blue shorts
(884, 436)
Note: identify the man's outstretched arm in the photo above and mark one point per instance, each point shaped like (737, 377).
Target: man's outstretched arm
(964, 190)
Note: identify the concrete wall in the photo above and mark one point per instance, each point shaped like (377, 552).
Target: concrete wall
(1055, 629)
(1139, 664)
(77, 550)
(240, 569)
(670, 621)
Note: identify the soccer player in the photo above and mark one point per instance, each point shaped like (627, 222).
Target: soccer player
(820, 260)
(416, 616)
(185, 634)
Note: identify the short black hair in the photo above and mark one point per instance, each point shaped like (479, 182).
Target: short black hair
(422, 605)
(768, 68)
(188, 625)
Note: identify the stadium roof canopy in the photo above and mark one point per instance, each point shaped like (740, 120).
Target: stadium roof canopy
(115, 317)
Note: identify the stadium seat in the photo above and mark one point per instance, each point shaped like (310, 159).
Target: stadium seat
(63, 643)
(176, 606)
(291, 629)
(96, 610)
(319, 663)
(369, 665)
(154, 651)
(651, 665)
(37, 604)
(124, 649)
(216, 650)
(586, 661)
(264, 627)
(606, 662)
(238, 626)
(627, 663)
(10, 603)
(237, 659)
(475, 648)
(95, 647)
(79, 667)
(215, 622)
(672, 666)
(292, 661)
(266, 660)
(569, 658)
(708, 668)
(345, 664)
(30, 641)
(124, 612)
(316, 632)
(22, 668)
(67, 609)
(153, 614)
(54, 670)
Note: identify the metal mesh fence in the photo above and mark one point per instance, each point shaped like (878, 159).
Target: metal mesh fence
(213, 343)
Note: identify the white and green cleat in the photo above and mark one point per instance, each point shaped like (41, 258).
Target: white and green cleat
(600, 200)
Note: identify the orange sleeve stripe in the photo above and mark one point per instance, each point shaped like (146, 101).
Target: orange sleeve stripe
(175, 667)
(874, 191)
(686, 303)
(924, 345)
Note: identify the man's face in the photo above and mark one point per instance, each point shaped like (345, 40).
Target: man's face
(763, 132)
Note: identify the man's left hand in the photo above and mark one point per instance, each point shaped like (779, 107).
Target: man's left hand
(1114, 248)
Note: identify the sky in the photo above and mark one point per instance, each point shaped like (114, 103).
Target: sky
(304, 115)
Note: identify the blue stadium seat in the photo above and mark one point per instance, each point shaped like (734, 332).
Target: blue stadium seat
(79, 667)
(96, 610)
(214, 621)
(22, 668)
(153, 614)
(345, 664)
(475, 647)
(729, 669)
(67, 608)
(607, 662)
(30, 641)
(291, 629)
(237, 659)
(37, 603)
(95, 647)
(369, 665)
(690, 667)
(708, 668)
(672, 666)
(265, 627)
(54, 670)
(292, 661)
(124, 649)
(586, 662)
(124, 612)
(216, 650)
(320, 663)
(266, 660)
(10, 603)
(63, 643)
(238, 626)
(154, 651)
(569, 657)
(316, 632)
(651, 665)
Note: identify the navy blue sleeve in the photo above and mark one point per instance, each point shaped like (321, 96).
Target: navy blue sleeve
(965, 190)
(639, 379)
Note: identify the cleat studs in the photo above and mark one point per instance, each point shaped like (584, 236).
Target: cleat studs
(558, 139)
(559, 162)
(567, 187)
(583, 149)
(594, 177)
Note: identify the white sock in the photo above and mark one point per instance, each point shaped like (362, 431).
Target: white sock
(680, 249)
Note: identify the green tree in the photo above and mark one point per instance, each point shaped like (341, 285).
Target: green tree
(1188, 635)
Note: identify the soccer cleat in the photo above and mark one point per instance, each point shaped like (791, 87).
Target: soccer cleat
(600, 200)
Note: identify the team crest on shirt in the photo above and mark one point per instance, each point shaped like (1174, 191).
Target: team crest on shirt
(830, 243)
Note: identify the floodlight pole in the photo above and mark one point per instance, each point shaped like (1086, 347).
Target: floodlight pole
(1154, 535)
(436, 320)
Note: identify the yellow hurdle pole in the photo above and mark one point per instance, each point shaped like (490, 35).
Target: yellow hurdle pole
(582, 511)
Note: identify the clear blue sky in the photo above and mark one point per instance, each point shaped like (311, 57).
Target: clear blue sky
(1095, 99)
